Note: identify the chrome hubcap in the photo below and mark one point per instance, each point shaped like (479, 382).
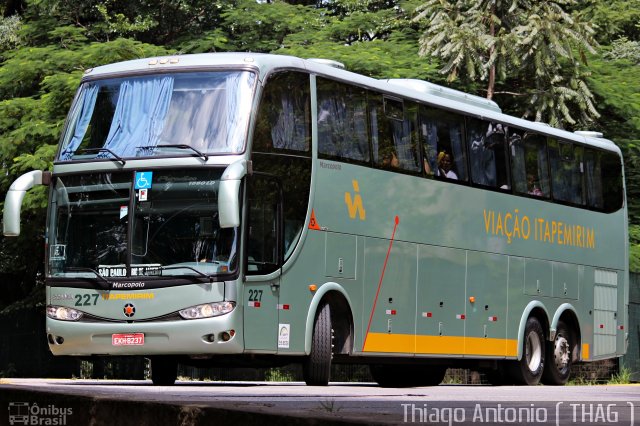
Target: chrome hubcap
(561, 352)
(533, 351)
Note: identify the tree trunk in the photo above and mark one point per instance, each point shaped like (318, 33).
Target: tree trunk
(492, 69)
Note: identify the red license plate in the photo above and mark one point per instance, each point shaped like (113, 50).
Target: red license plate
(127, 339)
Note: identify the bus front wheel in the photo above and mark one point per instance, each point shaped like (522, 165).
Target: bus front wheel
(528, 370)
(316, 368)
(559, 355)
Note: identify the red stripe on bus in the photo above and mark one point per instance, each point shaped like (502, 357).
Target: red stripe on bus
(384, 268)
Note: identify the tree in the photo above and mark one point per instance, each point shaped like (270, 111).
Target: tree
(536, 43)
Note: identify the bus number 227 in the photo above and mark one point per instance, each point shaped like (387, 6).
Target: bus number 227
(255, 295)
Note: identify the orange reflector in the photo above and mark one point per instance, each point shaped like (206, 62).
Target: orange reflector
(472, 299)
(313, 287)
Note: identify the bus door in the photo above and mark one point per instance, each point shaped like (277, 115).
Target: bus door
(263, 254)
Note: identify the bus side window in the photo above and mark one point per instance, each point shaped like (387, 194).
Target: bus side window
(282, 146)
(602, 180)
(284, 117)
(342, 122)
(394, 133)
(593, 179)
(487, 151)
(613, 190)
(443, 139)
(565, 160)
(529, 168)
(264, 224)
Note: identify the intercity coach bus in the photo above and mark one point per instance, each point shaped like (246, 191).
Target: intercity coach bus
(242, 209)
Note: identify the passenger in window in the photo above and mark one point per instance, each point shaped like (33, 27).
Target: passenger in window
(533, 188)
(444, 166)
(430, 132)
(390, 159)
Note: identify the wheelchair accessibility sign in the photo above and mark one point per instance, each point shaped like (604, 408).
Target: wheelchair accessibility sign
(143, 180)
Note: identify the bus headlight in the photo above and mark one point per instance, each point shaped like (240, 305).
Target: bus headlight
(207, 310)
(62, 313)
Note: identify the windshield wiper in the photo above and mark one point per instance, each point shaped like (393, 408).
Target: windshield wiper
(116, 157)
(202, 155)
(200, 273)
(104, 284)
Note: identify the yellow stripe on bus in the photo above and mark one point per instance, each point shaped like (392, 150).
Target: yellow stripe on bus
(440, 345)
(585, 351)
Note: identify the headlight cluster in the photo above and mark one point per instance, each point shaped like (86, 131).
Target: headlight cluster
(62, 313)
(207, 310)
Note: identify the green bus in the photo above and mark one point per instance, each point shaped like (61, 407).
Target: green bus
(240, 209)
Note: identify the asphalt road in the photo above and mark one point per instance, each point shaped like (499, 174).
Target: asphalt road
(99, 402)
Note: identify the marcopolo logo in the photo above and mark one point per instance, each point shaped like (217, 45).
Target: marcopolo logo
(24, 413)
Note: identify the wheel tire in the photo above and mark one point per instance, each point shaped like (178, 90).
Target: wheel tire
(316, 368)
(164, 371)
(406, 376)
(559, 357)
(528, 370)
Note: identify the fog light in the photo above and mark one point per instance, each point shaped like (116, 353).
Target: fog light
(209, 338)
(225, 336)
(50, 338)
(59, 340)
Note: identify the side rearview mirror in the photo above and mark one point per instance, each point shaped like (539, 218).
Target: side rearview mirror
(15, 195)
(228, 199)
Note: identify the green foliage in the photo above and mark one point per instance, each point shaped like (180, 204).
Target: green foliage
(262, 27)
(611, 18)
(534, 43)
(9, 34)
(634, 248)
(623, 48)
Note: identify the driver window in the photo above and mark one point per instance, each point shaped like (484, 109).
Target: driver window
(263, 252)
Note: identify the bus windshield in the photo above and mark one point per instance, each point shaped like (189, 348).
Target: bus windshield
(133, 117)
(106, 224)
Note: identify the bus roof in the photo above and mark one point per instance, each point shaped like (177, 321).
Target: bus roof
(406, 88)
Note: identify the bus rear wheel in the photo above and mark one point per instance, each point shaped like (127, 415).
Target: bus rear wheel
(406, 376)
(164, 371)
(559, 355)
(316, 368)
(528, 370)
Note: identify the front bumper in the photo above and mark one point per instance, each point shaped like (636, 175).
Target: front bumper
(181, 337)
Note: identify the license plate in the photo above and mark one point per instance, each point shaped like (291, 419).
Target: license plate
(128, 339)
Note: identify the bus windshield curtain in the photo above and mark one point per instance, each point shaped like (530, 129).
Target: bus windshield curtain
(139, 116)
(237, 89)
(285, 133)
(85, 110)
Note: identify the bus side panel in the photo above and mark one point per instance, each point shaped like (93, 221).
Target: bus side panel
(486, 305)
(392, 325)
(517, 299)
(441, 295)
